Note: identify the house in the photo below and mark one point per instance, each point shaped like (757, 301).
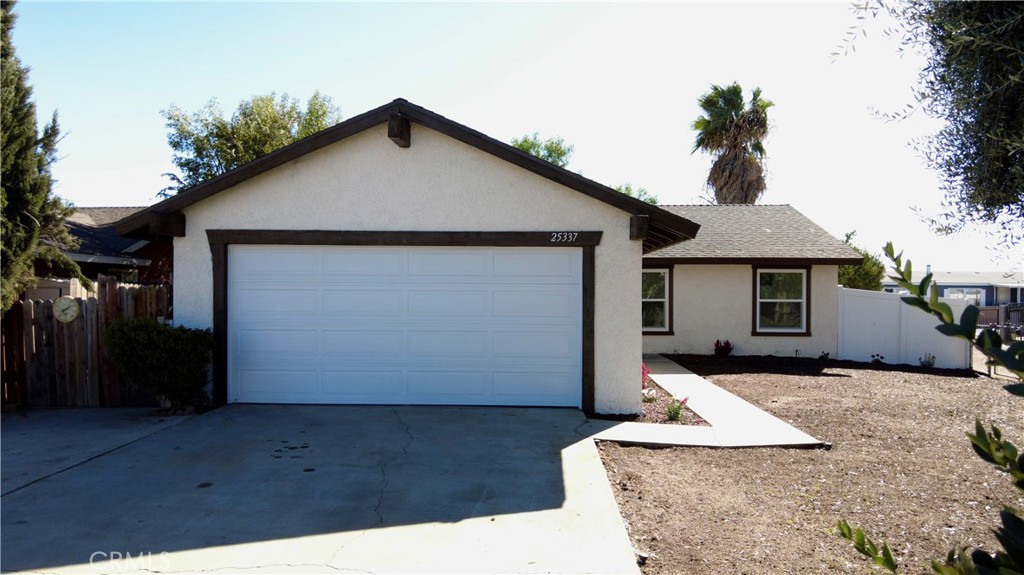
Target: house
(978, 288)
(402, 258)
(102, 251)
(763, 277)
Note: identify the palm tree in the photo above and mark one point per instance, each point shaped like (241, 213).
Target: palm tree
(734, 131)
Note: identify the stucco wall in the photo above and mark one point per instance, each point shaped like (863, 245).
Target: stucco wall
(715, 302)
(366, 182)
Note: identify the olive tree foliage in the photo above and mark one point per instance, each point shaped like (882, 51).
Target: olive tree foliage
(866, 275)
(556, 151)
(207, 144)
(32, 223)
(973, 80)
(733, 130)
(638, 193)
(987, 443)
(553, 149)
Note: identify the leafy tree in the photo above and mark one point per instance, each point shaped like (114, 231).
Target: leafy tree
(32, 223)
(553, 150)
(734, 130)
(989, 445)
(207, 144)
(973, 79)
(866, 275)
(639, 193)
(556, 151)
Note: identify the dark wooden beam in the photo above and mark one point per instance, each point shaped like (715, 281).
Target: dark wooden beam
(399, 130)
(172, 224)
(638, 226)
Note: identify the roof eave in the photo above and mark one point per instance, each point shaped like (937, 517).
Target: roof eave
(792, 261)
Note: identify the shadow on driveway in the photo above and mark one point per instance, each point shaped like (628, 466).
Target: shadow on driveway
(354, 487)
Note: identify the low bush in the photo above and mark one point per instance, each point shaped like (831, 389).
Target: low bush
(170, 362)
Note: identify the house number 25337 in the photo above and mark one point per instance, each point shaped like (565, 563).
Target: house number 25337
(563, 237)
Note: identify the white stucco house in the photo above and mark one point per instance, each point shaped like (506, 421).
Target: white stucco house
(402, 258)
(763, 277)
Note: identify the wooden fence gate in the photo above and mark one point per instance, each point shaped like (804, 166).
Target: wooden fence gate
(48, 363)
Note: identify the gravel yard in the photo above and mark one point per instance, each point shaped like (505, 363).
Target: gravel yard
(900, 466)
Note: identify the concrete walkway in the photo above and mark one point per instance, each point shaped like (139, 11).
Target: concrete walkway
(734, 422)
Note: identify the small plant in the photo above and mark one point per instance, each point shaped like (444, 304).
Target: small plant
(650, 395)
(877, 358)
(824, 356)
(674, 409)
(927, 361)
(722, 349)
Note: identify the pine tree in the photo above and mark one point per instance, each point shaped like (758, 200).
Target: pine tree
(32, 222)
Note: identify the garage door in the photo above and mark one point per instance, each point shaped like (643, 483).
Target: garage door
(405, 325)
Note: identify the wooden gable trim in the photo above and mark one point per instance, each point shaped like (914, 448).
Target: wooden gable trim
(665, 228)
(219, 241)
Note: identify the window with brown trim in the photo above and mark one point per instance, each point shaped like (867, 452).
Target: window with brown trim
(781, 301)
(655, 298)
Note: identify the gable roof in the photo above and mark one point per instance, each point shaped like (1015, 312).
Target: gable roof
(166, 217)
(98, 240)
(741, 233)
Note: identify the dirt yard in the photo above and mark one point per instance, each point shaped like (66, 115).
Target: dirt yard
(900, 466)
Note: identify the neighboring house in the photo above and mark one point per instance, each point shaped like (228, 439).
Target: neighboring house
(978, 288)
(763, 277)
(402, 258)
(102, 251)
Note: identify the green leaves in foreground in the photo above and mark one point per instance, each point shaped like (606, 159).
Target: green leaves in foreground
(867, 547)
(989, 445)
(988, 341)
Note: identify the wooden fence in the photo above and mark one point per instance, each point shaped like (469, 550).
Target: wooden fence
(48, 363)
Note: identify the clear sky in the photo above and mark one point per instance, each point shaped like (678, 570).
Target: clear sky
(618, 81)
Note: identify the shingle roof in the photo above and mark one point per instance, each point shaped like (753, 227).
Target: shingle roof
(166, 217)
(739, 233)
(95, 231)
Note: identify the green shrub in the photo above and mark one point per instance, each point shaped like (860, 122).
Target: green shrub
(170, 362)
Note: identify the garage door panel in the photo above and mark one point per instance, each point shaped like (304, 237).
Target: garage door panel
(256, 302)
(262, 381)
(363, 383)
(292, 343)
(448, 343)
(449, 302)
(536, 384)
(448, 386)
(405, 325)
(449, 263)
(363, 342)
(535, 345)
(355, 302)
(364, 261)
(551, 303)
(277, 261)
(551, 264)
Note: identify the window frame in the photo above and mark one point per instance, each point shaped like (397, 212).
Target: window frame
(668, 329)
(756, 329)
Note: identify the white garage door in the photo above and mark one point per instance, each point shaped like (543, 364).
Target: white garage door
(405, 325)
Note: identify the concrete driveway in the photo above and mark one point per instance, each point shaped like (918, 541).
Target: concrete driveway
(309, 489)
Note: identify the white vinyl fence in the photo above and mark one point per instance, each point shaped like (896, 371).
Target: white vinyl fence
(873, 322)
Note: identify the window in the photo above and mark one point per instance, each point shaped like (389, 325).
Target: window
(780, 301)
(972, 295)
(655, 297)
